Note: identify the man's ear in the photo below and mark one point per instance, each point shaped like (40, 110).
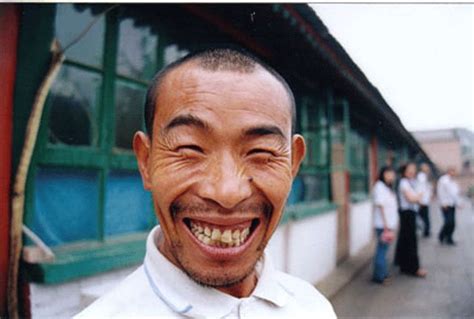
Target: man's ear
(298, 151)
(142, 148)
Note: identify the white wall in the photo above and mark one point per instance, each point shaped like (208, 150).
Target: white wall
(67, 299)
(360, 227)
(312, 247)
(276, 248)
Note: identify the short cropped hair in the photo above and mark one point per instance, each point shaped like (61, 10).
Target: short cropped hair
(216, 59)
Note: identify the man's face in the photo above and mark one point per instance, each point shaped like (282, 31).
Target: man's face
(220, 166)
(451, 172)
(425, 168)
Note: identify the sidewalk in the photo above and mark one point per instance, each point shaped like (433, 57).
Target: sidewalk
(447, 292)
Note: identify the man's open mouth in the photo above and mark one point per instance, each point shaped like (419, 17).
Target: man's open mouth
(222, 236)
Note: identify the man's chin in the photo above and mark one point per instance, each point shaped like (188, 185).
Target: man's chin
(222, 279)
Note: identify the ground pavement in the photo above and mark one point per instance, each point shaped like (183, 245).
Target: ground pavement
(447, 291)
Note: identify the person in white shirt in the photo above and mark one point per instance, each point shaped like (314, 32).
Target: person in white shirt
(219, 158)
(385, 221)
(406, 253)
(448, 196)
(423, 186)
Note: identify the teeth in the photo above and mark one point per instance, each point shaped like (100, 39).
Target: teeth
(244, 234)
(216, 234)
(226, 236)
(236, 234)
(217, 238)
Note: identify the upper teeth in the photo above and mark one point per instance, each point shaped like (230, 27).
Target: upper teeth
(220, 238)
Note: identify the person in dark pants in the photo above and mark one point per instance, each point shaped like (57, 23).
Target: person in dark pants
(406, 254)
(424, 187)
(447, 230)
(385, 222)
(448, 196)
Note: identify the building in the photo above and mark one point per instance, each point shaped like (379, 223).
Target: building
(451, 148)
(84, 196)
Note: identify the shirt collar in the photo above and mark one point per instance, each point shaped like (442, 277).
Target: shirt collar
(182, 295)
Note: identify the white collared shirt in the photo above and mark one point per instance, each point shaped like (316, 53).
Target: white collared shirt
(423, 186)
(160, 289)
(447, 191)
(407, 186)
(384, 196)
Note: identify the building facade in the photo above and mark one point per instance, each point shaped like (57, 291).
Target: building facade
(84, 197)
(451, 148)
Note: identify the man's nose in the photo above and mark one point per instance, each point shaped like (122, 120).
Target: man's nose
(225, 182)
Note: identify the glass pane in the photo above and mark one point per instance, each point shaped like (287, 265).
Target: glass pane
(137, 51)
(172, 53)
(309, 188)
(66, 205)
(323, 147)
(313, 115)
(70, 22)
(323, 120)
(359, 184)
(129, 100)
(315, 187)
(311, 150)
(74, 101)
(128, 207)
(297, 191)
(359, 151)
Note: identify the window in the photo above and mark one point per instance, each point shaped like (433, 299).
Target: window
(86, 167)
(359, 163)
(312, 183)
(385, 155)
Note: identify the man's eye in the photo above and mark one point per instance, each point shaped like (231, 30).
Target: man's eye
(189, 147)
(260, 151)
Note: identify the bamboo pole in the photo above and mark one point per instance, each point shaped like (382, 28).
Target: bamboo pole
(18, 198)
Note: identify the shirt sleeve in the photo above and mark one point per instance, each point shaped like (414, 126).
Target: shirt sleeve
(406, 187)
(378, 194)
(442, 191)
(455, 193)
(421, 178)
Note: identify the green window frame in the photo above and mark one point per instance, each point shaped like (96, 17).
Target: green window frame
(314, 123)
(315, 168)
(359, 164)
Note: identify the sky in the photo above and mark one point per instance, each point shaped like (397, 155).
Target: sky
(419, 56)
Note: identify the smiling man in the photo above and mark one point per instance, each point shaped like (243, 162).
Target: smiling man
(219, 158)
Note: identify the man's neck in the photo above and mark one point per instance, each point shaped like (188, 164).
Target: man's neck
(242, 289)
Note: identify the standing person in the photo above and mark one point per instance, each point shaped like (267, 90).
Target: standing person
(407, 247)
(424, 187)
(448, 196)
(385, 221)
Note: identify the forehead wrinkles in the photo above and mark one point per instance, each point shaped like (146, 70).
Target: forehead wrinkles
(194, 88)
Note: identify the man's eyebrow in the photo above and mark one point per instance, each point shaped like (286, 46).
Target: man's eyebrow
(263, 130)
(186, 120)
